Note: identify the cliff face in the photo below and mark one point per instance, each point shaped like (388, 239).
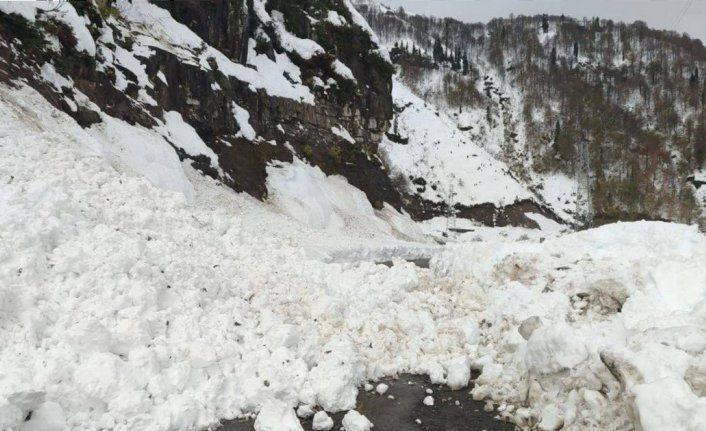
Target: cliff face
(257, 81)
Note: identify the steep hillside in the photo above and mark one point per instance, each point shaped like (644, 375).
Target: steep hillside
(257, 81)
(235, 88)
(544, 92)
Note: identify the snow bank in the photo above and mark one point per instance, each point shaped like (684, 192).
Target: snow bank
(592, 330)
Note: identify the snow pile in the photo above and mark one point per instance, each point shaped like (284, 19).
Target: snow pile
(601, 329)
(438, 152)
(125, 307)
(306, 194)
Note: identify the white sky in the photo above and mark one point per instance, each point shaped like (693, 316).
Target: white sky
(660, 14)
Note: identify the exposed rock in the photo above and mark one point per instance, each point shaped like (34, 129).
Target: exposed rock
(528, 326)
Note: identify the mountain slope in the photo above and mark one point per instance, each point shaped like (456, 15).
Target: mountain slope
(232, 87)
(531, 89)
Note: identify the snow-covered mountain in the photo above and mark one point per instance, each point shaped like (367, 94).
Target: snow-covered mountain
(235, 90)
(530, 90)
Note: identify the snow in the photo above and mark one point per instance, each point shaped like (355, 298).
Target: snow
(438, 152)
(354, 421)
(27, 10)
(127, 306)
(127, 60)
(305, 48)
(343, 133)
(309, 196)
(62, 11)
(162, 31)
(242, 117)
(381, 388)
(181, 134)
(322, 422)
(49, 74)
(277, 416)
(428, 401)
(134, 148)
(559, 192)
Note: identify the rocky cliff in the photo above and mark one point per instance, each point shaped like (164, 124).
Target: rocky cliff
(254, 82)
(258, 82)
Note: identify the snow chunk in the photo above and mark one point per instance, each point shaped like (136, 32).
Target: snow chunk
(554, 348)
(335, 18)
(382, 388)
(277, 416)
(428, 401)
(336, 377)
(458, 373)
(322, 422)
(669, 404)
(354, 421)
(305, 411)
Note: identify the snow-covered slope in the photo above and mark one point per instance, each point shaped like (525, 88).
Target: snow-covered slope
(435, 150)
(127, 307)
(565, 102)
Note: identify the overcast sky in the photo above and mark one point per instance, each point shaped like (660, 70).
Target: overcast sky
(661, 14)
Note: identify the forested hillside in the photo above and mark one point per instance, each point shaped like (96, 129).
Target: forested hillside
(532, 89)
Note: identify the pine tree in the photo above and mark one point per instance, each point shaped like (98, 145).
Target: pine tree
(438, 51)
(557, 133)
(545, 23)
(552, 59)
(576, 50)
(464, 60)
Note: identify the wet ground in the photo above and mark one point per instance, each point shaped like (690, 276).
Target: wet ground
(405, 411)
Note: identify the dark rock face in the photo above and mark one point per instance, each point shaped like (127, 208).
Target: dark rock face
(486, 214)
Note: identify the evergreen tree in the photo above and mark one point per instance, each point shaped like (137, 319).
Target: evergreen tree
(545, 23)
(464, 61)
(552, 59)
(438, 51)
(576, 50)
(557, 133)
